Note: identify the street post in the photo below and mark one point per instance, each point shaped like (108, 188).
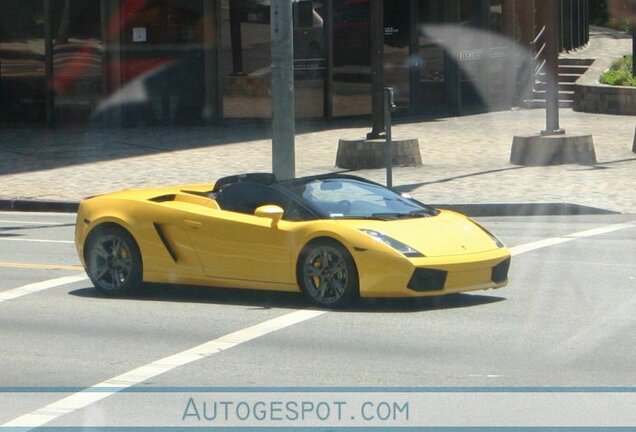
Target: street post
(389, 107)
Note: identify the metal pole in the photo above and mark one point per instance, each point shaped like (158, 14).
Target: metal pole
(388, 150)
(552, 65)
(283, 124)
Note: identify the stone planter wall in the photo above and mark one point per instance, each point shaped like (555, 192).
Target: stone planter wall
(594, 97)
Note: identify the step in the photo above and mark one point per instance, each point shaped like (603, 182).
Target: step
(569, 61)
(568, 77)
(573, 69)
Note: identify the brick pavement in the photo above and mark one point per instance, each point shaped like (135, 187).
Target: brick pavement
(465, 159)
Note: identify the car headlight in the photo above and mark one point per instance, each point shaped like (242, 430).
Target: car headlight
(494, 238)
(405, 250)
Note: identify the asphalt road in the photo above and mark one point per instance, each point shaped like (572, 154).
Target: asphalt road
(566, 319)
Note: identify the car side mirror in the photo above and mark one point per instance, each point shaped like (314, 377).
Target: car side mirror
(273, 212)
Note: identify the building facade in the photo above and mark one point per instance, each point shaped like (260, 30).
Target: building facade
(145, 62)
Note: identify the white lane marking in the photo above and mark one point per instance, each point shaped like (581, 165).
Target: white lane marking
(85, 398)
(6, 221)
(516, 250)
(35, 240)
(39, 286)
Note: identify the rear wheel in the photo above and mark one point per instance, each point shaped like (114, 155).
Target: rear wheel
(113, 261)
(327, 274)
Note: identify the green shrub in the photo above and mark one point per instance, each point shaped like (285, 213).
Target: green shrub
(620, 73)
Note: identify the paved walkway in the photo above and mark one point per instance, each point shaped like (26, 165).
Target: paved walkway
(465, 159)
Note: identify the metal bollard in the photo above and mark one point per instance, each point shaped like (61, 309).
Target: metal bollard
(389, 107)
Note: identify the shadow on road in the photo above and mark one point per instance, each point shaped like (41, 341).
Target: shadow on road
(282, 300)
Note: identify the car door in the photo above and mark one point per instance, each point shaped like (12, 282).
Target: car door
(236, 244)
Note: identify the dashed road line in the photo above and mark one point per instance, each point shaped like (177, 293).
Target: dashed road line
(552, 241)
(41, 266)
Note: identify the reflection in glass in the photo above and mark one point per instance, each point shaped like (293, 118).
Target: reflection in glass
(246, 58)
(162, 59)
(22, 69)
(77, 58)
(397, 51)
(431, 88)
(351, 58)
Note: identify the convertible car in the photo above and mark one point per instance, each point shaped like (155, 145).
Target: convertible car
(335, 237)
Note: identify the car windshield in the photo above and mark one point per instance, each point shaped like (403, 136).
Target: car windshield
(351, 198)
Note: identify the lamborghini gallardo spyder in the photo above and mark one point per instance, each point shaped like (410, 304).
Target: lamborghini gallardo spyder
(334, 237)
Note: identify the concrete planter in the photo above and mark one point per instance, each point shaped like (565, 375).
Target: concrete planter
(594, 97)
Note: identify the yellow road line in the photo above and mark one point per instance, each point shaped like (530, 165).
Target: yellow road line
(41, 266)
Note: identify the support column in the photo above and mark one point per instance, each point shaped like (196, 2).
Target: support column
(210, 44)
(377, 68)
(48, 65)
(328, 35)
(235, 36)
(552, 69)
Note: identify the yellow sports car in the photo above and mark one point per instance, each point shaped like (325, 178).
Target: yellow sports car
(333, 236)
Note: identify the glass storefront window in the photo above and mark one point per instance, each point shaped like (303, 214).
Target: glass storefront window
(430, 88)
(397, 59)
(22, 62)
(160, 52)
(77, 58)
(351, 58)
(246, 58)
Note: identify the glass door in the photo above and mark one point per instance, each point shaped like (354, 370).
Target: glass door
(22, 62)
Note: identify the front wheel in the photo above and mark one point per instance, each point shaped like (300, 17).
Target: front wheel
(327, 274)
(113, 261)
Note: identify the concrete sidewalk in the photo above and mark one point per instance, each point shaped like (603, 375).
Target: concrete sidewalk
(465, 159)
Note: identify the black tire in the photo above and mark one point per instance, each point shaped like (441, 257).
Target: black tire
(327, 274)
(113, 261)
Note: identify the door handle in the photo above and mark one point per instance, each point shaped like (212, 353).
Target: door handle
(193, 224)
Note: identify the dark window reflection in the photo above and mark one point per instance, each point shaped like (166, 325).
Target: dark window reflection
(431, 60)
(77, 58)
(352, 58)
(22, 70)
(246, 58)
(396, 50)
(160, 54)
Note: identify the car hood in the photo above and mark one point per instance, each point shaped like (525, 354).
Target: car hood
(446, 234)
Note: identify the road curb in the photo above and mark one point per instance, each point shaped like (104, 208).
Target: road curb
(476, 210)
(524, 209)
(22, 205)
